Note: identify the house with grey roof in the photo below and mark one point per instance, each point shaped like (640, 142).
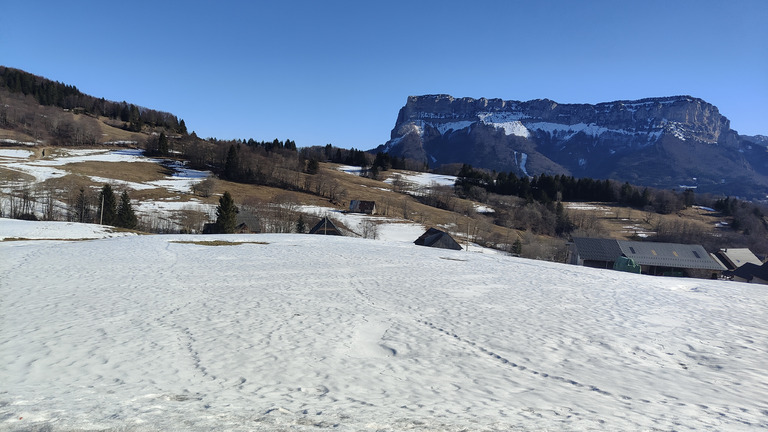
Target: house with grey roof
(662, 259)
(594, 252)
(733, 258)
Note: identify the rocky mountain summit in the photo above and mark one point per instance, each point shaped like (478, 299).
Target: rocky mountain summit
(668, 142)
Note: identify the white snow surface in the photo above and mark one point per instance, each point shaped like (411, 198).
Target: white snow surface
(569, 131)
(166, 208)
(709, 209)
(21, 229)
(350, 169)
(480, 208)
(452, 126)
(308, 333)
(417, 179)
(508, 121)
(15, 153)
(522, 162)
(425, 179)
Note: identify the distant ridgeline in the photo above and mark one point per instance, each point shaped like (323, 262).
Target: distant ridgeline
(668, 143)
(53, 93)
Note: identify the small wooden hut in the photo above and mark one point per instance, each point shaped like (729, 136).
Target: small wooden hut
(325, 227)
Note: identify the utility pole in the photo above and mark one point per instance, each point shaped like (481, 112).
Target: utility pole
(468, 235)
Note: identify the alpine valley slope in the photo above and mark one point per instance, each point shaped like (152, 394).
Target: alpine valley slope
(661, 142)
(279, 332)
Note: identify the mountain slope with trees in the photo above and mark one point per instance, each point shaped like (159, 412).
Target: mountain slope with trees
(657, 142)
(526, 215)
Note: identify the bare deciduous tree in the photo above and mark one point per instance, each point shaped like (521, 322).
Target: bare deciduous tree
(370, 229)
(204, 188)
(46, 196)
(192, 220)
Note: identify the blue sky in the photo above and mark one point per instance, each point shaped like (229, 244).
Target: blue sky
(338, 71)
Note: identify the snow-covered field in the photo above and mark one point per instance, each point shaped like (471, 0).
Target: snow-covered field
(20, 229)
(306, 333)
(426, 179)
(416, 179)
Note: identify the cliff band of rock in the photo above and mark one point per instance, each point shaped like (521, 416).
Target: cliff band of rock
(664, 142)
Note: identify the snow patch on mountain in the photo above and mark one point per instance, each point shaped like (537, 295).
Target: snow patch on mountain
(416, 127)
(566, 132)
(443, 128)
(521, 162)
(508, 121)
(676, 129)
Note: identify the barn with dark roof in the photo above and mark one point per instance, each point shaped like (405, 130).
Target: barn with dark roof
(439, 239)
(749, 272)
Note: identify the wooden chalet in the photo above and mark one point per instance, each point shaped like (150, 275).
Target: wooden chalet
(247, 223)
(326, 227)
(359, 206)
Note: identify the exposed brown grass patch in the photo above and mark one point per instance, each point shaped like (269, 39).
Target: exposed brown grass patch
(453, 259)
(217, 242)
(111, 132)
(616, 220)
(126, 171)
(15, 135)
(9, 175)
(9, 239)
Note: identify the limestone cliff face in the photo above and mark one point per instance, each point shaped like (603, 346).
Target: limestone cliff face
(663, 142)
(696, 117)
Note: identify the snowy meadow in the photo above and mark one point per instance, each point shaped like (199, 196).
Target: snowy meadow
(299, 332)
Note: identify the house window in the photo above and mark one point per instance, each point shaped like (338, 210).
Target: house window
(653, 252)
(675, 253)
(632, 249)
(696, 254)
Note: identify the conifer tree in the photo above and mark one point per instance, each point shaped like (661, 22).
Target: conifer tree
(82, 210)
(135, 122)
(313, 166)
(126, 218)
(226, 214)
(232, 164)
(162, 144)
(108, 205)
(301, 228)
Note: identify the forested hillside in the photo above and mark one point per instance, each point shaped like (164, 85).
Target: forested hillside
(52, 93)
